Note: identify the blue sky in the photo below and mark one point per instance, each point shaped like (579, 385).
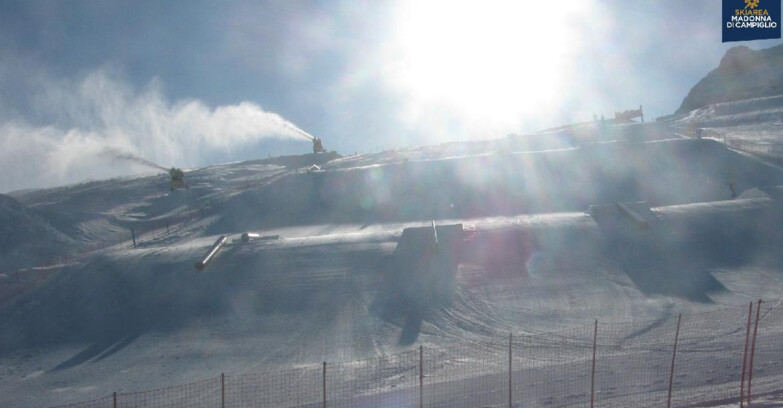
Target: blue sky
(149, 76)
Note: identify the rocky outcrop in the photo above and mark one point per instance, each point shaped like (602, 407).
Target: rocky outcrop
(742, 74)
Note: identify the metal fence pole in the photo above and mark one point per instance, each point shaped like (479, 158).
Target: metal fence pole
(421, 376)
(753, 350)
(222, 390)
(324, 385)
(674, 355)
(592, 376)
(745, 357)
(115, 400)
(510, 386)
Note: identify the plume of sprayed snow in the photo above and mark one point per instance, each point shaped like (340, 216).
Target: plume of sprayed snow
(101, 119)
(120, 155)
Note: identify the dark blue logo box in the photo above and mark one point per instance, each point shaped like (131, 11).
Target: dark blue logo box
(745, 20)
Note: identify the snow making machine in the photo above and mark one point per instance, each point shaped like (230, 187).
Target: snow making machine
(318, 146)
(178, 179)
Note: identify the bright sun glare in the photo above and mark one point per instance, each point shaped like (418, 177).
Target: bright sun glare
(497, 60)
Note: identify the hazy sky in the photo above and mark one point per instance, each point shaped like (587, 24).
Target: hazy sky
(197, 82)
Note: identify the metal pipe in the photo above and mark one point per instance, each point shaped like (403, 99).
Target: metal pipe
(745, 357)
(592, 376)
(753, 351)
(510, 385)
(210, 255)
(248, 236)
(421, 376)
(674, 355)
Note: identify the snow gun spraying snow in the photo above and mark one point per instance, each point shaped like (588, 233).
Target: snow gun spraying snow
(318, 146)
(178, 179)
(177, 175)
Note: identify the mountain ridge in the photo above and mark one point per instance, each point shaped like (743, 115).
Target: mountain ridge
(743, 73)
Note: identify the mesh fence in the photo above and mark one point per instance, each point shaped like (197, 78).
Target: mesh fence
(202, 394)
(766, 359)
(388, 381)
(709, 356)
(476, 378)
(290, 388)
(679, 361)
(553, 369)
(96, 403)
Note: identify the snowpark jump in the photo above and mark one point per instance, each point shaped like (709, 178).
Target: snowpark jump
(358, 268)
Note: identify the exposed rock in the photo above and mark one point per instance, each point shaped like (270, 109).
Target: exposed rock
(742, 74)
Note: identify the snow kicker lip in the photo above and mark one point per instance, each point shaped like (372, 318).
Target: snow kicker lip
(662, 173)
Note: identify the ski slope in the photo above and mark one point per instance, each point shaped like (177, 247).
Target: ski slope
(533, 260)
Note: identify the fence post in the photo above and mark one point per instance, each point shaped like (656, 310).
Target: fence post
(115, 399)
(674, 355)
(421, 376)
(222, 390)
(592, 376)
(745, 357)
(510, 386)
(324, 385)
(753, 350)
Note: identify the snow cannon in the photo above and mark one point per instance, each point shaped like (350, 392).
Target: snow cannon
(211, 254)
(318, 146)
(178, 179)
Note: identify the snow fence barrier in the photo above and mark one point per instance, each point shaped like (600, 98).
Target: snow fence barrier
(729, 355)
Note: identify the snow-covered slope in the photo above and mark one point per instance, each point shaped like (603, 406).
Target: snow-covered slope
(660, 173)
(27, 238)
(125, 319)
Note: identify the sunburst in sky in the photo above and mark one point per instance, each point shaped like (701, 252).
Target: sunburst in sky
(360, 75)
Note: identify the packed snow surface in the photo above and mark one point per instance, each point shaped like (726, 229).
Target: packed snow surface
(533, 258)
